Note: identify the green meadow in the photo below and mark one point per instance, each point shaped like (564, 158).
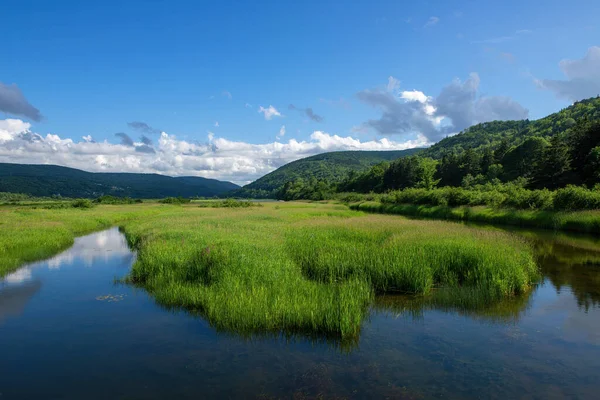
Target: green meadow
(286, 268)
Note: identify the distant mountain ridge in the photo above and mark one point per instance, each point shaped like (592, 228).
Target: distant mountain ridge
(331, 167)
(49, 180)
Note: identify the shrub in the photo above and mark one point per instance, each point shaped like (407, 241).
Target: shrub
(82, 203)
(576, 198)
(174, 200)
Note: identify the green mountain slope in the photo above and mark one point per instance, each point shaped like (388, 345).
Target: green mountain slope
(48, 180)
(516, 132)
(330, 167)
(552, 152)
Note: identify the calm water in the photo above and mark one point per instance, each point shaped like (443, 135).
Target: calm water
(67, 331)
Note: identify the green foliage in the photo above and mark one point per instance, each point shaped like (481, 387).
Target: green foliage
(82, 203)
(174, 200)
(311, 189)
(108, 199)
(230, 203)
(577, 198)
(331, 168)
(49, 180)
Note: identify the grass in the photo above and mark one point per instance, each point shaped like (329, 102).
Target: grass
(291, 268)
(573, 221)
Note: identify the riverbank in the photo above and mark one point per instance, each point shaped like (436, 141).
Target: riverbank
(572, 221)
(29, 234)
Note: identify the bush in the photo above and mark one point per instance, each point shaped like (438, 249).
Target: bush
(82, 203)
(576, 198)
(174, 200)
(108, 199)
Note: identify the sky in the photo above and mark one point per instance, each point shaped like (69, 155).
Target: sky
(234, 89)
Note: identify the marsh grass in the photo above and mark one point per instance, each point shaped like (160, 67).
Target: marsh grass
(316, 268)
(285, 268)
(574, 221)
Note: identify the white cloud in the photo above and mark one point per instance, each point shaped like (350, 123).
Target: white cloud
(227, 94)
(217, 158)
(282, 131)
(269, 112)
(431, 22)
(216, 124)
(458, 105)
(583, 77)
(415, 95)
(248, 105)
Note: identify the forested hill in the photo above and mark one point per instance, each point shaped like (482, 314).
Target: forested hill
(330, 167)
(515, 132)
(549, 153)
(49, 180)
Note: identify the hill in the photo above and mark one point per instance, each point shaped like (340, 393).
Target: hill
(330, 167)
(49, 180)
(552, 152)
(516, 132)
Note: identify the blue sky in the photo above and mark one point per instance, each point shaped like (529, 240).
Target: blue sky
(90, 68)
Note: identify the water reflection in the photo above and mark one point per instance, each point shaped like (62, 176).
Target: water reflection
(97, 247)
(13, 299)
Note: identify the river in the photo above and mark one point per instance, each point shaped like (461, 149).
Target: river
(68, 331)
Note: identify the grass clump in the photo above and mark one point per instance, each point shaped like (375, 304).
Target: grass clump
(416, 258)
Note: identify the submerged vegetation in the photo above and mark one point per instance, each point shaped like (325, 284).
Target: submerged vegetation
(285, 268)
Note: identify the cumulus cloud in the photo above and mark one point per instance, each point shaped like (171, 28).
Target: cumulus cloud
(457, 107)
(431, 22)
(269, 112)
(583, 77)
(282, 131)
(308, 112)
(143, 127)
(220, 158)
(13, 102)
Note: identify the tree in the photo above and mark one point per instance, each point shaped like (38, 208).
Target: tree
(428, 169)
(524, 159)
(556, 162)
